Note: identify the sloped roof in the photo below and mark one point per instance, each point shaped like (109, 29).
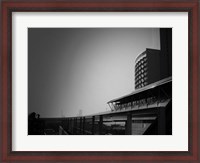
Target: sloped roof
(143, 89)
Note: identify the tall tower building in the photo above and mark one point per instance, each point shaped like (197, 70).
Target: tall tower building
(153, 65)
(147, 68)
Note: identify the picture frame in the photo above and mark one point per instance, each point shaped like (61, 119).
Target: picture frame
(10, 6)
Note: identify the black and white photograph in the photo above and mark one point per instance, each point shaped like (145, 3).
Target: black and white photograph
(99, 81)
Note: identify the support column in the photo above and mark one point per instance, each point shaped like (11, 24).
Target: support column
(80, 126)
(72, 125)
(67, 124)
(83, 125)
(129, 124)
(100, 124)
(75, 125)
(93, 123)
(162, 121)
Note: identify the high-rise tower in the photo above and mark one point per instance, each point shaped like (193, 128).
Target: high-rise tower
(153, 65)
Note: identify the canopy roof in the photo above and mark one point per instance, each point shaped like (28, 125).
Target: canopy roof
(142, 91)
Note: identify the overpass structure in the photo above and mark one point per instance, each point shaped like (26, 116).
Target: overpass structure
(146, 111)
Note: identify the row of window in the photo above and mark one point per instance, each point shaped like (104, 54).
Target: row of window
(141, 61)
(139, 66)
(141, 69)
(139, 81)
(141, 78)
(140, 85)
(141, 75)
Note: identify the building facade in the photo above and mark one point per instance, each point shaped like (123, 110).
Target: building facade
(147, 68)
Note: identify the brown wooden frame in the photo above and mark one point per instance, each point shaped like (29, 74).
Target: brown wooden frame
(9, 6)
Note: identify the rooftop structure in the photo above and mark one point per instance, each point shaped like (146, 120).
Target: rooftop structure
(153, 95)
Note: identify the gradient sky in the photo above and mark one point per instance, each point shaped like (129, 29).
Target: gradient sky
(73, 69)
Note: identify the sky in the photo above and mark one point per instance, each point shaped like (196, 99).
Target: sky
(78, 70)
